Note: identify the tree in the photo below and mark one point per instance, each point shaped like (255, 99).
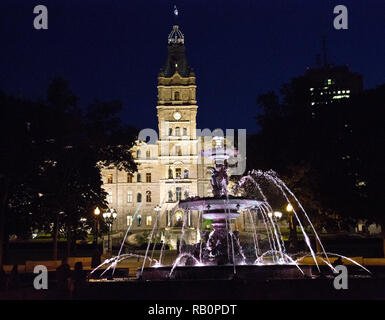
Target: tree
(83, 143)
(332, 161)
(18, 159)
(51, 155)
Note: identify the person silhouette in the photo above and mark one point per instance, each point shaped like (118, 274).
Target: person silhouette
(14, 278)
(337, 262)
(63, 274)
(78, 280)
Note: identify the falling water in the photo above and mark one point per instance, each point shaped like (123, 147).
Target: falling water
(125, 236)
(255, 239)
(307, 217)
(149, 241)
(231, 233)
(183, 230)
(276, 253)
(180, 257)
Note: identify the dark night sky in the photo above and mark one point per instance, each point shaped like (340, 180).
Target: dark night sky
(238, 49)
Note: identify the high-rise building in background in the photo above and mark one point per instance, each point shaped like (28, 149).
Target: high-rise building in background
(329, 83)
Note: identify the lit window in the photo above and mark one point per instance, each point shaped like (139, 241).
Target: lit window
(139, 197)
(138, 177)
(178, 194)
(148, 154)
(110, 179)
(329, 81)
(311, 89)
(129, 196)
(148, 221)
(148, 196)
(178, 218)
(313, 103)
(129, 220)
(129, 178)
(148, 177)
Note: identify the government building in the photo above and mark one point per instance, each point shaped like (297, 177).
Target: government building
(169, 170)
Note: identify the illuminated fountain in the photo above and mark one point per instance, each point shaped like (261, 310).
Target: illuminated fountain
(218, 254)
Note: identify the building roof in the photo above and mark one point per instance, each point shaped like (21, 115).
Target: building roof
(176, 56)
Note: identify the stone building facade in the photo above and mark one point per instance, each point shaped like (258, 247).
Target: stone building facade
(171, 169)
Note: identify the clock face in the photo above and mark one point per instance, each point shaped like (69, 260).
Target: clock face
(177, 115)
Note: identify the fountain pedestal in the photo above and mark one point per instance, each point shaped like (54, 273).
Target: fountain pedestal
(222, 245)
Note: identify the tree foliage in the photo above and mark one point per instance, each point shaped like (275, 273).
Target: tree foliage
(331, 159)
(51, 152)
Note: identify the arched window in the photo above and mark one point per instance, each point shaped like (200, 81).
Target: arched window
(148, 196)
(177, 131)
(178, 193)
(148, 154)
(138, 177)
(185, 131)
(176, 96)
(185, 174)
(129, 177)
(139, 197)
(178, 218)
(139, 220)
(170, 131)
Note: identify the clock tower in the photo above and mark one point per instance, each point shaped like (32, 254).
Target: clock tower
(177, 105)
(182, 173)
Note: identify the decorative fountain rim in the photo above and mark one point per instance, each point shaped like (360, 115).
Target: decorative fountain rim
(238, 203)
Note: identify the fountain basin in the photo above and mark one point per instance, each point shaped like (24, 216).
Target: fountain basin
(226, 272)
(233, 204)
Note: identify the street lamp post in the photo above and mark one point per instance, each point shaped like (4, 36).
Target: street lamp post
(109, 218)
(96, 256)
(293, 232)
